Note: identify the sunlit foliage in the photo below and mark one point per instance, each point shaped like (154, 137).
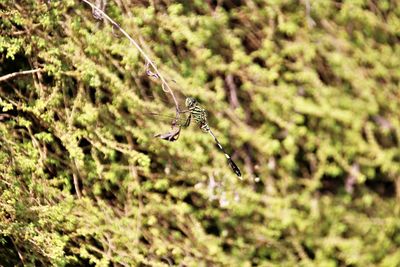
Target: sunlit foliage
(305, 94)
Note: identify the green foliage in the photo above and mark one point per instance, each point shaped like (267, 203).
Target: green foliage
(305, 93)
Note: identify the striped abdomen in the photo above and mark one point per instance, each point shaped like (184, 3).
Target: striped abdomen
(199, 115)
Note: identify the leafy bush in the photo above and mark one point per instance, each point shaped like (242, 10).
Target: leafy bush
(304, 93)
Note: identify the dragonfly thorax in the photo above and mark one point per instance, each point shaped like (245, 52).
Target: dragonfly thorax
(190, 102)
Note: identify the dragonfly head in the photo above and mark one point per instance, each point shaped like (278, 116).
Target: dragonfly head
(190, 102)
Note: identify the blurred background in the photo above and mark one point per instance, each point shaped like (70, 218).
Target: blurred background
(303, 94)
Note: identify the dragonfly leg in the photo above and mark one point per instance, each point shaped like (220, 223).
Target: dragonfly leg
(187, 121)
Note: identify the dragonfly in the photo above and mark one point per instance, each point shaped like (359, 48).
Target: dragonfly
(197, 113)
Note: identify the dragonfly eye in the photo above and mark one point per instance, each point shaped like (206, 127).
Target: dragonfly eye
(190, 101)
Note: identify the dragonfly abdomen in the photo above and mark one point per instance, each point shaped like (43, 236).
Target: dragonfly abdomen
(199, 115)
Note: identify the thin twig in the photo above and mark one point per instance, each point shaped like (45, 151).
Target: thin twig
(310, 21)
(12, 75)
(19, 252)
(76, 179)
(229, 80)
(164, 83)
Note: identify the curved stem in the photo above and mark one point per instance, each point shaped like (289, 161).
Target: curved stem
(164, 83)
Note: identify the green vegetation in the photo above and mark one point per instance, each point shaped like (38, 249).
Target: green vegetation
(304, 94)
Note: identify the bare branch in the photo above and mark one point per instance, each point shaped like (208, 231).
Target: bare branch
(311, 23)
(76, 185)
(14, 74)
(164, 83)
(229, 80)
(18, 251)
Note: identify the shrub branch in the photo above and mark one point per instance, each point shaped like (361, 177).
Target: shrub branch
(156, 73)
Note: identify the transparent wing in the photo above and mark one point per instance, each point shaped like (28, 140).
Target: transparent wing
(170, 118)
(166, 123)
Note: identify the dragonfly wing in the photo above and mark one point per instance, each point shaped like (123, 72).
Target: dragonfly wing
(175, 123)
(183, 120)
